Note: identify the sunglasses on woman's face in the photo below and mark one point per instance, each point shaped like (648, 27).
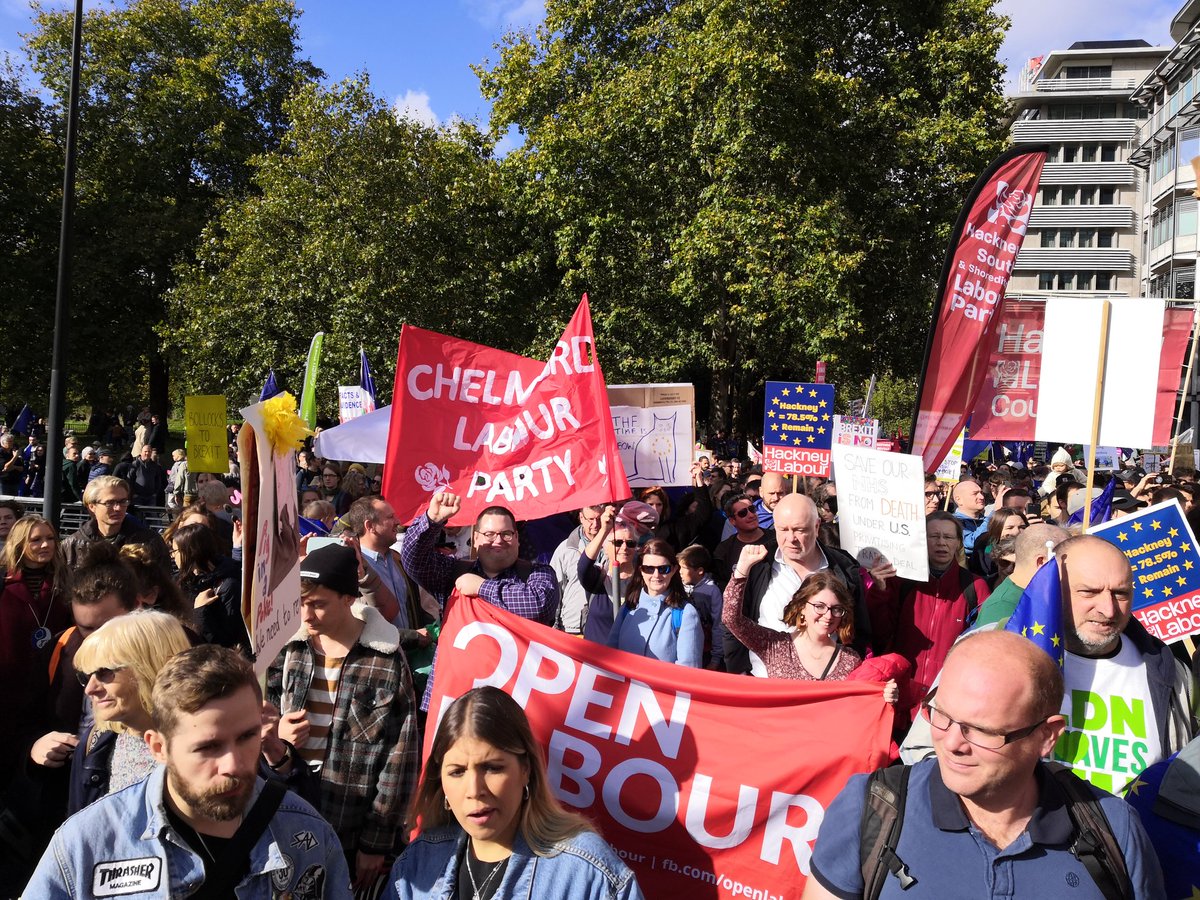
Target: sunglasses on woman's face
(632, 545)
(660, 570)
(103, 675)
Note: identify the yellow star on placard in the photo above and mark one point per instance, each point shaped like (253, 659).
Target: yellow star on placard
(775, 401)
(1039, 628)
(813, 392)
(822, 404)
(1149, 592)
(1181, 581)
(1187, 564)
(1134, 787)
(774, 426)
(770, 413)
(785, 392)
(825, 417)
(1174, 532)
(1122, 536)
(797, 442)
(1137, 526)
(821, 430)
(811, 439)
(1166, 589)
(1185, 547)
(1154, 524)
(800, 389)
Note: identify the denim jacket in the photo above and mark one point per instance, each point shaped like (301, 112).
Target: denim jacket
(583, 868)
(124, 846)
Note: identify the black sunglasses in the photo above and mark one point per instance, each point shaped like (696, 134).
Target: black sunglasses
(103, 675)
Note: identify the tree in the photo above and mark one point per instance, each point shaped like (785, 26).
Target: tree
(359, 223)
(176, 97)
(747, 187)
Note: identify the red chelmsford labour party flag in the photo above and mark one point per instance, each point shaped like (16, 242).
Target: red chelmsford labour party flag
(983, 249)
(705, 788)
(499, 429)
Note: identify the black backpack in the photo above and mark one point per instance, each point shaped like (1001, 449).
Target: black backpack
(883, 816)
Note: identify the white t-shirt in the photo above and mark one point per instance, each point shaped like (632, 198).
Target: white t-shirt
(1112, 733)
(782, 587)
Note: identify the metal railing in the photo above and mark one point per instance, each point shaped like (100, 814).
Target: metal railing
(73, 515)
(1044, 85)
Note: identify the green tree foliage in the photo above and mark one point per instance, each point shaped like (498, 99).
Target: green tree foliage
(176, 97)
(748, 186)
(360, 223)
(30, 164)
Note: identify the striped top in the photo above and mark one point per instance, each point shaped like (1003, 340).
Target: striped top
(322, 694)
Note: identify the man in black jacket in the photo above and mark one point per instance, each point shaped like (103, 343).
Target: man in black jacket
(774, 581)
(107, 499)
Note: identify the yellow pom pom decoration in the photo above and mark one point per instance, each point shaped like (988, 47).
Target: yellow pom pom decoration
(285, 430)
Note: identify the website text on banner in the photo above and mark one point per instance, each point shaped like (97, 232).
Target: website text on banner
(983, 250)
(668, 775)
(1166, 568)
(498, 428)
(797, 428)
(1007, 406)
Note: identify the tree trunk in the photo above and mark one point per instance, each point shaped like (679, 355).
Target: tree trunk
(160, 397)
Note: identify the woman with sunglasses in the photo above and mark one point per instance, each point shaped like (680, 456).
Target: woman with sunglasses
(656, 619)
(821, 614)
(607, 583)
(117, 664)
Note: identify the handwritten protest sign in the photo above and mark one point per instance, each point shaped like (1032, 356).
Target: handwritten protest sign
(881, 503)
(798, 428)
(1166, 568)
(204, 426)
(665, 771)
(951, 468)
(654, 425)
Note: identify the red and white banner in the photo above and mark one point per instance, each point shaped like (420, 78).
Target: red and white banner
(500, 429)
(983, 250)
(1007, 406)
(711, 790)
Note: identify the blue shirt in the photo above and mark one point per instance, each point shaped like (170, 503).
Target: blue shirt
(649, 630)
(950, 857)
(390, 574)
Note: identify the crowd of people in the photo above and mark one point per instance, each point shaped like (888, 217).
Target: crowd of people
(144, 757)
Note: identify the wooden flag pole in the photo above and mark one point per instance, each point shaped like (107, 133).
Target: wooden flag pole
(1105, 313)
(1187, 380)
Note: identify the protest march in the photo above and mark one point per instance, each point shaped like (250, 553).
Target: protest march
(466, 620)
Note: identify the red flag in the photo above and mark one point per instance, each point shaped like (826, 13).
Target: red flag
(500, 429)
(1177, 328)
(983, 249)
(704, 787)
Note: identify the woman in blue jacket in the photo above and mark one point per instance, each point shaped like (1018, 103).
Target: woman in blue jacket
(656, 619)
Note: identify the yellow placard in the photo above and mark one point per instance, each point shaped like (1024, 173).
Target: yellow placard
(204, 422)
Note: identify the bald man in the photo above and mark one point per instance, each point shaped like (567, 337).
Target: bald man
(773, 582)
(1031, 553)
(967, 497)
(986, 817)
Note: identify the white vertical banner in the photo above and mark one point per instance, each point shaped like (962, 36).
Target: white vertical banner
(1070, 354)
(881, 508)
(352, 402)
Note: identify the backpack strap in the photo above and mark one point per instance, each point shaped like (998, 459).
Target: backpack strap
(879, 831)
(677, 618)
(56, 654)
(1095, 844)
(966, 582)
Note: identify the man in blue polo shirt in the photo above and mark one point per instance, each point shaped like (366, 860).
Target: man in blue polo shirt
(985, 818)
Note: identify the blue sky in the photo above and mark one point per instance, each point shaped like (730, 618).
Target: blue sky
(419, 52)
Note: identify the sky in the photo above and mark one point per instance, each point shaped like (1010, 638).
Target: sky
(419, 52)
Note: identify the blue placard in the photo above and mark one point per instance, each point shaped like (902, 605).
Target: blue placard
(798, 427)
(1166, 568)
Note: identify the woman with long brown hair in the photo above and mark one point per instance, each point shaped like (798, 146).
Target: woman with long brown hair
(656, 619)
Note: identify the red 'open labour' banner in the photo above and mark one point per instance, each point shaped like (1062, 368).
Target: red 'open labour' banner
(708, 786)
(983, 249)
(500, 429)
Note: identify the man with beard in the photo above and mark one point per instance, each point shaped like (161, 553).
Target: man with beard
(202, 825)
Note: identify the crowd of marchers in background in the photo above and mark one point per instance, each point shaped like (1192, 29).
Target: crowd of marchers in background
(130, 643)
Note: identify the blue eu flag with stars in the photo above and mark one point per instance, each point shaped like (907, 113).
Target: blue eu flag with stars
(1038, 615)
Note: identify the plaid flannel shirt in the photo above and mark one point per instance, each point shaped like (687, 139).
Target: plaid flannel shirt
(373, 758)
(529, 590)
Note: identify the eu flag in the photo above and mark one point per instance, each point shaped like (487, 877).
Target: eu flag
(1038, 615)
(366, 380)
(270, 387)
(1101, 507)
(24, 420)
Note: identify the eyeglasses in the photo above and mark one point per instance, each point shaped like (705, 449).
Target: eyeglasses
(664, 569)
(820, 609)
(744, 513)
(973, 734)
(103, 675)
(111, 504)
(503, 536)
(632, 545)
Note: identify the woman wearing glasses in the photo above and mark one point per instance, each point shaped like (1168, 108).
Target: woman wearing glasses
(656, 619)
(116, 664)
(821, 614)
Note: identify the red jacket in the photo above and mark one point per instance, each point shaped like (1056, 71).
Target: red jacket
(921, 622)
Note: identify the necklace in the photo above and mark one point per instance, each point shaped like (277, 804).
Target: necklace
(41, 635)
(476, 888)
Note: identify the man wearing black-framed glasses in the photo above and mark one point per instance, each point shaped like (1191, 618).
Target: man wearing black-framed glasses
(987, 817)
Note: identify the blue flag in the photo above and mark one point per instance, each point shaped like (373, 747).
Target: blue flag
(1038, 615)
(270, 388)
(24, 420)
(1101, 507)
(365, 379)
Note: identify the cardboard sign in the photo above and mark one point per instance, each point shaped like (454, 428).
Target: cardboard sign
(798, 428)
(207, 440)
(270, 541)
(881, 505)
(655, 424)
(1166, 568)
(658, 755)
(951, 468)
(855, 431)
